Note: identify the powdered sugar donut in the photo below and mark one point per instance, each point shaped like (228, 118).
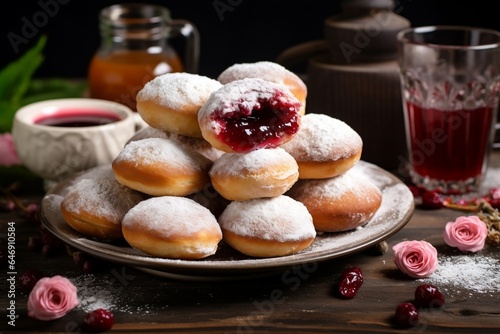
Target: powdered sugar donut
(199, 145)
(324, 147)
(267, 227)
(171, 101)
(95, 207)
(339, 203)
(257, 174)
(172, 227)
(160, 166)
(249, 114)
(268, 71)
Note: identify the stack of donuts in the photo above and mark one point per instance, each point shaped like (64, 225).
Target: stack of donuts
(235, 159)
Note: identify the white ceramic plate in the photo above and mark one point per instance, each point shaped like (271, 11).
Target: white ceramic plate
(396, 210)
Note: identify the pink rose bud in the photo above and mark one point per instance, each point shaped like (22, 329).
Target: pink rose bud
(416, 259)
(466, 233)
(51, 298)
(8, 153)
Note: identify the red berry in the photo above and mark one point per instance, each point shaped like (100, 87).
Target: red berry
(350, 282)
(99, 320)
(427, 295)
(29, 278)
(431, 200)
(494, 202)
(406, 315)
(32, 212)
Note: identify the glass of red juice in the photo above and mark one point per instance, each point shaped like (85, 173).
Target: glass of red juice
(450, 80)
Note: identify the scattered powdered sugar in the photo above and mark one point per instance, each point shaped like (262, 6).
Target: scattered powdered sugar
(474, 272)
(108, 292)
(92, 295)
(323, 138)
(176, 90)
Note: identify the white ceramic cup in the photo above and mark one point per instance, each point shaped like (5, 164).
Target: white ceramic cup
(55, 152)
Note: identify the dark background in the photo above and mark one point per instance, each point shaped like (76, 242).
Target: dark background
(250, 30)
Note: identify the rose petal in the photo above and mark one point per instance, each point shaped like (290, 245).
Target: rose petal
(416, 259)
(51, 298)
(467, 233)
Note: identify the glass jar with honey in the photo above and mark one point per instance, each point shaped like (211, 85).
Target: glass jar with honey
(135, 48)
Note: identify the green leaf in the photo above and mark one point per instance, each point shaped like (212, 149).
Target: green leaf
(16, 76)
(7, 111)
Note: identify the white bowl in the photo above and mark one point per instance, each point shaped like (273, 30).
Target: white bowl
(55, 152)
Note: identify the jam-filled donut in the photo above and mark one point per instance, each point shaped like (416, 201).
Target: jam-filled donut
(268, 71)
(172, 227)
(160, 166)
(267, 227)
(324, 147)
(171, 101)
(339, 203)
(95, 207)
(249, 114)
(200, 145)
(257, 174)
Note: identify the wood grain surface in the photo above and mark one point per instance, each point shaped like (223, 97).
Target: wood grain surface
(302, 299)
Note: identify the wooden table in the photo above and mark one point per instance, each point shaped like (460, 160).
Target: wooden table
(304, 302)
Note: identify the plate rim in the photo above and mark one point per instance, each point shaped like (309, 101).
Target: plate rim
(204, 267)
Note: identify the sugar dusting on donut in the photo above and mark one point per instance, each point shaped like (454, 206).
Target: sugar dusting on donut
(351, 180)
(175, 90)
(155, 214)
(105, 197)
(241, 97)
(265, 70)
(322, 138)
(258, 161)
(279, 218)
(151, 151)
(198, 144)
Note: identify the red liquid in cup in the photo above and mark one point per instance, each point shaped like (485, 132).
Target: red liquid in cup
(78, 118)
(449, 145)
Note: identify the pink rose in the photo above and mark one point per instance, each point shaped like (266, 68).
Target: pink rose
(8, 153)
(416, 259)
(51, 298)
(466, 233)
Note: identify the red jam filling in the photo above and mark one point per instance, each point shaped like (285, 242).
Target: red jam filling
(262, 127)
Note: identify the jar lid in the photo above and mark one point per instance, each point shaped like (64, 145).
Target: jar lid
(365, 31)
